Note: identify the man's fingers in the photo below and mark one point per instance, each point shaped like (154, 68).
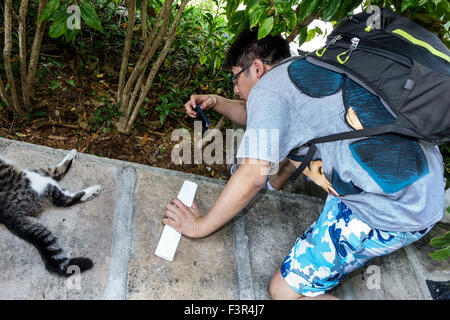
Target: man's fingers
(171, 215)
(182, 218)
(189, 110)
(172, 206)
(170, 223)
(177, 207)
(193, 102)
(193, 211)
(189, 106)
(177, 202)
(205, 103)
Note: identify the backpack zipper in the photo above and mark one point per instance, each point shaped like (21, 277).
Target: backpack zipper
(320, 52)
(353, 46)
(362, 45)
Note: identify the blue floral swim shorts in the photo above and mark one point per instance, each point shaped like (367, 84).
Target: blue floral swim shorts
(335, 245)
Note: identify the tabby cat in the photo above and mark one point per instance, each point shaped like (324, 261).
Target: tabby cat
(24, 194)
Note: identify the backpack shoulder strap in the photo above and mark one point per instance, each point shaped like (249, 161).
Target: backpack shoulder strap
(293, 58)
(388, 128)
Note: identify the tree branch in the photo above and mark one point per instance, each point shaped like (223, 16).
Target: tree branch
(7, 58)
(36, 48)
(138, 87)
(144, 19)
(127, 47)
(4, 96)
(147, 54)
(157, 64)
(23, 52)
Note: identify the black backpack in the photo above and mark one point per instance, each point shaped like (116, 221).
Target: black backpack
(416, 88)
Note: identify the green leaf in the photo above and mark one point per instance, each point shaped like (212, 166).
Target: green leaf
(250, 4)
(217, 63)
(302, 35)
(436, 2)
(203, 58)
(238, 22)
(291, 18)
(447, 26)
(41, 114)
(231, 8)
(409, 3)
(90, 16)
(265, 27)
(306, 8)
(58, 28)
(54, 84)
(59, 14)
(441, 241)
(440, 254)
(49, 9)
(278, 28)
(71, 34)
(254, 15)
(330, 9)
(345, 8)
(312, 33)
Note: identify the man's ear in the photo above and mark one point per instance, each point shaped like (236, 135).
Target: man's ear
(260, 68)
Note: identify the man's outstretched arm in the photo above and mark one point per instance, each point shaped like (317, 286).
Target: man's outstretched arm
(240, 189)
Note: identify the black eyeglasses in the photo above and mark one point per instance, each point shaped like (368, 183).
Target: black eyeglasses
(235, 78)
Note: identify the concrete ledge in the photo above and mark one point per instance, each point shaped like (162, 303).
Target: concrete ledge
(120, 229)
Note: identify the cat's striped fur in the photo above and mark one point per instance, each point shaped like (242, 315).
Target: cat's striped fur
(24, 194)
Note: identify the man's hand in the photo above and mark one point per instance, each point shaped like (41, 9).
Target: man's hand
(231, 109)
(206, 102)
(183, 219)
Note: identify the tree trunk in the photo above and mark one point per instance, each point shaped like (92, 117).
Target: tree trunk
(140, 67)
(23, 52)
(36, 48)
(132, 88)
(26, 76)
(16, 107)
(144, 19)
(4, 96)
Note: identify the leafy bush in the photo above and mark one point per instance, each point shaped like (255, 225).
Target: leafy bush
(441, 242)
(59, 14)
(193, 65)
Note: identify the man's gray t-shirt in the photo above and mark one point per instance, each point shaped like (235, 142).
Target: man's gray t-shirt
(392, 183)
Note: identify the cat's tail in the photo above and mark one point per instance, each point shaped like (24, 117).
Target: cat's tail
(54, 257)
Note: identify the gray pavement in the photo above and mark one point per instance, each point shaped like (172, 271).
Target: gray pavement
(119, 231)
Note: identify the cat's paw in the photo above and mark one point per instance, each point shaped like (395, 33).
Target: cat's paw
(72, 155)
(90, 193)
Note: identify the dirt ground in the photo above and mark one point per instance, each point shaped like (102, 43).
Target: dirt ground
(72, 109)
(154, 150)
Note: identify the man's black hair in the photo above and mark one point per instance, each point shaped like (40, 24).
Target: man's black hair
(247, 47)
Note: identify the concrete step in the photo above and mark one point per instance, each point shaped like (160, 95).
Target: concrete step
(119, 231)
